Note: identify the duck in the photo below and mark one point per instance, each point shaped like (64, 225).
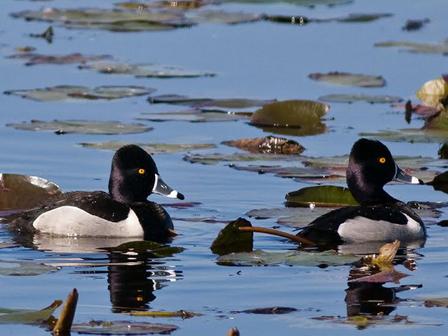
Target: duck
(124, 211)
(379, 217)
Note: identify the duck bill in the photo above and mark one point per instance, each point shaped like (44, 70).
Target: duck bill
(401, 176)
(161, 188)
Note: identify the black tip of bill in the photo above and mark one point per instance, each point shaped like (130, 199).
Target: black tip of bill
(180, 196)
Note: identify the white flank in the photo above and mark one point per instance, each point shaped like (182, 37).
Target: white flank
(362, 229)
(72, 221)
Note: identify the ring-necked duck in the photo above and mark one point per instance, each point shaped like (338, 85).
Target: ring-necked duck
(123, 212)
(379, 217)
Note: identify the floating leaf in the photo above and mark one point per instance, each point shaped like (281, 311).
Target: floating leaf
(231, 239)
(326, 196)
(412, 135)
(269, 144)
(122, 328)
(81, 126)
(24, 268)
(440, 182)
(21, 192)
(417, 47)
(230, 103)
(412, 25)
(143, 246)
(144, 70)
(436, 302)
(352, 98)
(215, 158)
(223, 17)
(390, 275)
(306, 3)
(70, 92)
(289, 172)
(290, 258)
(75, 58)
(165, 314)
(156, 148)
(345, 78)
(114, 20)
(267, 311)
(353, 18)
(27, 316)
(195, 115)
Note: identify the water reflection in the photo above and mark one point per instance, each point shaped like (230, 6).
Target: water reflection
(135, 269)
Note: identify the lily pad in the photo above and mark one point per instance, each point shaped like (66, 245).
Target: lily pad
(412, 135)
(436, 302)
(352, 98)
(81, 127)
(389, 275)
(122, 328)
(24, 192)
(114, 20)
(75, 58)
(293, 217)
(223, 17)
(309, 174)
(71, 92)
(269, 144)
(230, 103)
(216, 158)
(417, 47)
(321, 196)
(28, 316)
(350, 79)
(144, 70)
(305, 3)
(353, 18)
(267, 311)
(142, 246)
(194, 115)
(24, 268)
(440, 182)
(231, 239)
(290, 258)
(150, 148)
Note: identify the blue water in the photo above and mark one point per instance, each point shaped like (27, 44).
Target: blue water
(255, 60)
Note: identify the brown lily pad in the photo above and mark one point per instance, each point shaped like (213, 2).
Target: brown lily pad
(195, 115)
(269, 144)
(350, 79)
(267, 311)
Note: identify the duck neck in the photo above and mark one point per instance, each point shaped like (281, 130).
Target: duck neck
(375, 196)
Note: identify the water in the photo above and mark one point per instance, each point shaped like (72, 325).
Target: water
(254, 60)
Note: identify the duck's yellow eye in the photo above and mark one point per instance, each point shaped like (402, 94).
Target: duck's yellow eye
(382, 160)
(141, 171)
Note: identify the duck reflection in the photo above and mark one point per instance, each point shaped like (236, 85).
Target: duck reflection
(135, 269)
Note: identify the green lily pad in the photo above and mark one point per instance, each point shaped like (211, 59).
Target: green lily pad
(194, 115)
(24, 268)
(412, 135)
(352, 98)
(321, 196)
(71, 92)
(269, 144)
(114, 20)
(304, 115)
(81, 127)
(144, 70)
(28, 316)
(345, 78)
(223, 17)
(75, 58)
(150, 148)
(290, 258)
(122, 328)
(417, 47)
(230, 103)
(216, 158)
(231, 239)
(24, 192)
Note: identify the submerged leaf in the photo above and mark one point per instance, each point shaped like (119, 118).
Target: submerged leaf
(144, 70)
(352, 98)
(345, 78)
(290, 258)
(27, 316)
(269, 144)
(150, 148)
(81, 126)
(24, 268)
(326, 196)
(122, 328)
(231, 239)
(71, 92)
(19, 192)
